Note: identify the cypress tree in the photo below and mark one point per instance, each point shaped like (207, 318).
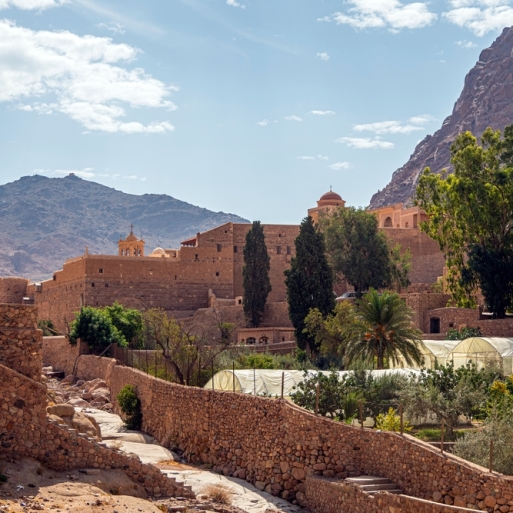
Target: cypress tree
(255, 275)
(309, 281)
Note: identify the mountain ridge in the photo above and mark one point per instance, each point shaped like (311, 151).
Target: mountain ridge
(47, 220)
(485, 100)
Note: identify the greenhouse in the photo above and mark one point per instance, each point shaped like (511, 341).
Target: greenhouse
(268, 381)
(433, 350)
(484, 352)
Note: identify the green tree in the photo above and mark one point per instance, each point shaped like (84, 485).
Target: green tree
(361, 254)
(130, 405)
(383, 331)
(93, 326)
(255, 275)
(469, 215)
(128, 321)
(309, 282)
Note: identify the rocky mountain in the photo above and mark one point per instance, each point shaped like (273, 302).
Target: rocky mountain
(44, 221)
(486, 100)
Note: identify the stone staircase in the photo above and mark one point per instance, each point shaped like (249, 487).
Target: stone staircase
(371, 485)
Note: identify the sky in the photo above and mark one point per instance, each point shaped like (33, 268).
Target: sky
(253, 107)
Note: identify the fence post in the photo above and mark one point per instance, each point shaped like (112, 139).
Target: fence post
(233, 376)
(401, 418)
(282, 383)
(254, 381)
(490, 467)
(360, 407)
(147, 368)
(213, 388)
(156, 375)
(317, 390)
(442, 437)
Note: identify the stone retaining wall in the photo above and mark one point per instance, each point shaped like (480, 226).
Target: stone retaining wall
(276, 445)
(329, 496)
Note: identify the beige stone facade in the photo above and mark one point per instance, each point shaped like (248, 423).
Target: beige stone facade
(397, 216)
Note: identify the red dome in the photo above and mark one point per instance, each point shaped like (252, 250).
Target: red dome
(331, 196)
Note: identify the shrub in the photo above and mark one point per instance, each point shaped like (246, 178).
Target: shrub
(48, 328)
(218, 493)
(434, 435)
(390, 421)
(131, 406)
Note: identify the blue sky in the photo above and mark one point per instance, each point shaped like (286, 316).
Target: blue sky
(254, 107)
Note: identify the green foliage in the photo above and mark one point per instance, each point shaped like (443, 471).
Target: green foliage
(309, 282)
(470, 214)
(361, 254)
(382, 330)
(128, 322)
(466, 332)
(447, 393)
(93, 326)
(255, 275)
(131, 406)
(48, 328)
(390, 421)
(435, 435)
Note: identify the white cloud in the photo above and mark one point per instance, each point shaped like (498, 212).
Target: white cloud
(322, 157)
(264, 122)
(340, 165)
(234, 3)
(113, 26)
(79, 77)
(465, 44)
(323, 56)
(87, 172)
(322, 112)
(131, 177)
(480, 16)
(414, 124)
(391, 14)
(31, 5)
(365, 143)
(293, 118)
(306, 158)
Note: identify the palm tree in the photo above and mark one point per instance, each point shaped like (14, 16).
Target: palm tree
(382, 330)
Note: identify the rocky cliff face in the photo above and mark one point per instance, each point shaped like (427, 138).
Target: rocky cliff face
(44, 221)
(486, 100)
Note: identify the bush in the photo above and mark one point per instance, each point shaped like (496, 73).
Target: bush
(218, 493)
(131, 406)
(390, 421)
(434, 435)
(48, 328)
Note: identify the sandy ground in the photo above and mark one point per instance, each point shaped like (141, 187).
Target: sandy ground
(30, 487)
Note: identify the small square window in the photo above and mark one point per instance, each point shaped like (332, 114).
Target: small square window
(176, 276)
(100, 271)
(106, 284)
(196, 257)
(279, 234)
(217, 273)
(92, 284)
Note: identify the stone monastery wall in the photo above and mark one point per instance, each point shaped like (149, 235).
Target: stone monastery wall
(24, 428)
(277, 446)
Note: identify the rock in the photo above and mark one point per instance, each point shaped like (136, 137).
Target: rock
(68, 379)
(100, 392)
(84, 424)
(260, 485)
(487, 85)
(86, 396)
(298, 474)
(437, 496)
(89, 386)
(490, 501)
(56, 418)
(61, 410)
(80, 382)
(79, 403)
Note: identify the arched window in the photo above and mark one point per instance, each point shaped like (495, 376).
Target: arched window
(251, 340)
(263, 339)
(388, 222)
(406, 225)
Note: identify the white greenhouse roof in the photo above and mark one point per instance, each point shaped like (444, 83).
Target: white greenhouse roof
(439, 348)
(268, 381)
(473, 345)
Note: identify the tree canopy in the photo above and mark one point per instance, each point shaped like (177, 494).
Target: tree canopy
(471, 217)
(255, 275)
(360, 253)
(309, 281)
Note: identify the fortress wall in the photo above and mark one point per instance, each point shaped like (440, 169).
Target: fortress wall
(427, 259)
(13, 290)
(421, 303)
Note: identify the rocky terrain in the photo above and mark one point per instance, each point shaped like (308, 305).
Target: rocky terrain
(486, 100)
(47, 220)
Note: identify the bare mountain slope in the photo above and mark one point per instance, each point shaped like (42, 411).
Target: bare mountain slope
(47, 220)
(486, 100)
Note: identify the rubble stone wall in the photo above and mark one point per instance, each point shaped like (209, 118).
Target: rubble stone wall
(324, 495)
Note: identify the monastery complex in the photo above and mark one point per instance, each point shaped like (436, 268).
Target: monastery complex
(209, 266)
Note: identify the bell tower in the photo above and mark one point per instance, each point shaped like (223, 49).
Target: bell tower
(131, 246)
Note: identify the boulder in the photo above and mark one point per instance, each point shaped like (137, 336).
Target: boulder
(100, 391)
(79, 403)
(70, 379)
(84, 424)
(89, 386)
(61, 410)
